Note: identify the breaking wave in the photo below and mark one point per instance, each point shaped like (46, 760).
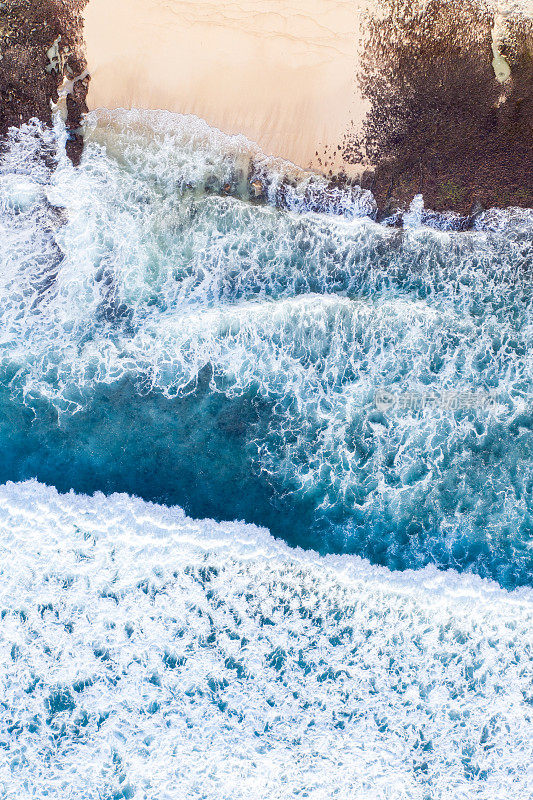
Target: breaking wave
(149, 655)
(190, 322)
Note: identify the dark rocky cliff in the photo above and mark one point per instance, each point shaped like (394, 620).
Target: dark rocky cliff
(443, 123)
(41, 44)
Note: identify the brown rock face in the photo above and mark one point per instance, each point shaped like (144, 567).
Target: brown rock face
(40, 44)
(441, 123)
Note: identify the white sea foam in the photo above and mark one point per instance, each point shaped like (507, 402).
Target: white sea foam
(201, 157)
(148, 655)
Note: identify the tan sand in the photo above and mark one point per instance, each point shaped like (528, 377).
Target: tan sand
(281, 72)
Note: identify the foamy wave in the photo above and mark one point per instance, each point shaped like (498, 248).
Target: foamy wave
(202, 158)
(149, 655)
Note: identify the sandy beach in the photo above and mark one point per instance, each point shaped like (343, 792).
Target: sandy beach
(407, 97)
(281, 72)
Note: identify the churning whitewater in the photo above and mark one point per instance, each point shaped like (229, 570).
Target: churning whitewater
(188, 321)
(148, 655)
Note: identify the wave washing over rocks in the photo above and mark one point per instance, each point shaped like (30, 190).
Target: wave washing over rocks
(353, 388)
(149, 655)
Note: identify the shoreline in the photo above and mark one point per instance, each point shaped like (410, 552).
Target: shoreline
(406, 97)
(404, 101)
(283, 74)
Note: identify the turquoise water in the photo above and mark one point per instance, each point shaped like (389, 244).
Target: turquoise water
(167, 333)
(257, 358)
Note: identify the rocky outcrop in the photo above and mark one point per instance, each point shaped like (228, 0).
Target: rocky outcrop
(451, 93)
(41, 48)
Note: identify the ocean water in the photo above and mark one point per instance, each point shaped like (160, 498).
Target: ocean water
(145, 655)
(191, 324)
(167, 333)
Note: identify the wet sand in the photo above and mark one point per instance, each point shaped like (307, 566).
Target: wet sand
(281, 72)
